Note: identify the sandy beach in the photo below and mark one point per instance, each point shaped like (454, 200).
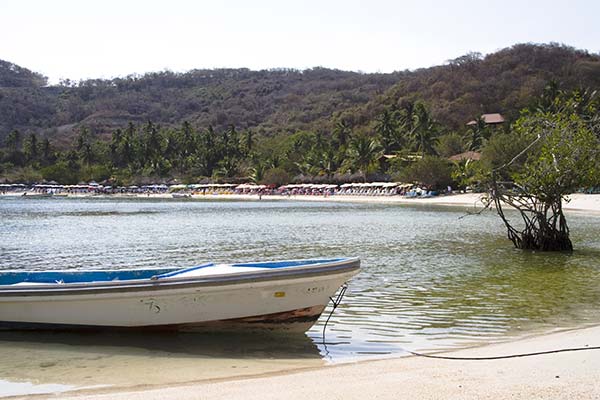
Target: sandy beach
(573, 375)
(577, 202)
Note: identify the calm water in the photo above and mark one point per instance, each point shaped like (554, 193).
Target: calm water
(430, 281)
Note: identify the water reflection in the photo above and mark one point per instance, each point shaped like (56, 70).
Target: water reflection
(92, 359)
(218, 345)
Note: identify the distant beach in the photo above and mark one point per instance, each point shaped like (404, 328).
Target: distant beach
(577, 201)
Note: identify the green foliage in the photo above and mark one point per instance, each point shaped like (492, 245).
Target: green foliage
(388, 127)
(25, 174)
(60, 172)
(434, 172)
(30, 147)
(275, 177)
(318, 124)
(477, 135)
(97, 172)
(566, 160)
(468, 173)
(501, 149)
(257, 172)
(363, 154)
(425, 130)
(450, 144)
(561, 157)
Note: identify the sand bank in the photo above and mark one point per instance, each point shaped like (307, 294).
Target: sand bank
(572, 375)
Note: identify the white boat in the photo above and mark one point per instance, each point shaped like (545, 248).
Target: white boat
(37, 195)
(277, 295)
(181, 195)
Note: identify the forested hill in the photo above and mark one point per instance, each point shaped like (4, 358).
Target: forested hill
(278, 101)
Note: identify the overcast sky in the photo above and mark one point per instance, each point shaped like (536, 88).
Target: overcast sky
(102, 39)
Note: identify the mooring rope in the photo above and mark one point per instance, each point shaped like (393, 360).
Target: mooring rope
(336, 302)
(537, 353)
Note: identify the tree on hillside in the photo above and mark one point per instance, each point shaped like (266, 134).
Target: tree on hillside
(207, 155)
(14, 154)
(152, 146)
(46, 155)
(477, 134)
(450, 144)
(431, 171)
(13, 141)
(425, 130)
(30, 148)
(248, 142)
(342, 133)
(84, 146)
(387, 128)
(363, 153)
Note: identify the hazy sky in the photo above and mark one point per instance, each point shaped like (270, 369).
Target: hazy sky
(102, 39)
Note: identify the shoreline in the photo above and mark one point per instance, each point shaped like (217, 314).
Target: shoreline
(550, 376)
(579, 202)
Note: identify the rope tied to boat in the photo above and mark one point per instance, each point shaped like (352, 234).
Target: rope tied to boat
(336, 302)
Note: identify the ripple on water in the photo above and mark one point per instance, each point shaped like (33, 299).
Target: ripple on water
(429, 281)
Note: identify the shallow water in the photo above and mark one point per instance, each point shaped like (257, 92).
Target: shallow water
(430, 280)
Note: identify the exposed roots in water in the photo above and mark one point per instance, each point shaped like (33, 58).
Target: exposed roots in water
(544, 225)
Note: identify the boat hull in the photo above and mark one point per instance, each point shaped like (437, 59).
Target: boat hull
(290, 301)
(299, 320)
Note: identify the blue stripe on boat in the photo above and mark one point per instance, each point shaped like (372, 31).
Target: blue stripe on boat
(77, 276)
(10, 278)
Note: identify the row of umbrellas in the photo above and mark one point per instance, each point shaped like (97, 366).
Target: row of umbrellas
(244, 186)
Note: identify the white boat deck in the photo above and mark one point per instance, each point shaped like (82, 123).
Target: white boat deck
(218, 269)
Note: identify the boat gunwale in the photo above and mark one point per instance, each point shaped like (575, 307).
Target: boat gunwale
(173, 283)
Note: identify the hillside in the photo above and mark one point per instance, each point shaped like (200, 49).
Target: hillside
(284, 101)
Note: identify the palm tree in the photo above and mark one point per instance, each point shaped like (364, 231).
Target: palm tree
(342, 132)
(13, 141)
(127, 146)
(408, 117)
(257, 172)
(152, 145)
(187, 142)
(477, 133)
(387, 127)
(30, 147)
(328, 162)
(549, 100)
(248, 141)
(363, 153)
(425, 130)
(45, 150)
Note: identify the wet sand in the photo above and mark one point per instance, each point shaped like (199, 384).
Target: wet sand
(52, 362)
(553, 376)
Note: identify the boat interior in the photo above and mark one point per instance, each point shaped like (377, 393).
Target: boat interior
(81, 276)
